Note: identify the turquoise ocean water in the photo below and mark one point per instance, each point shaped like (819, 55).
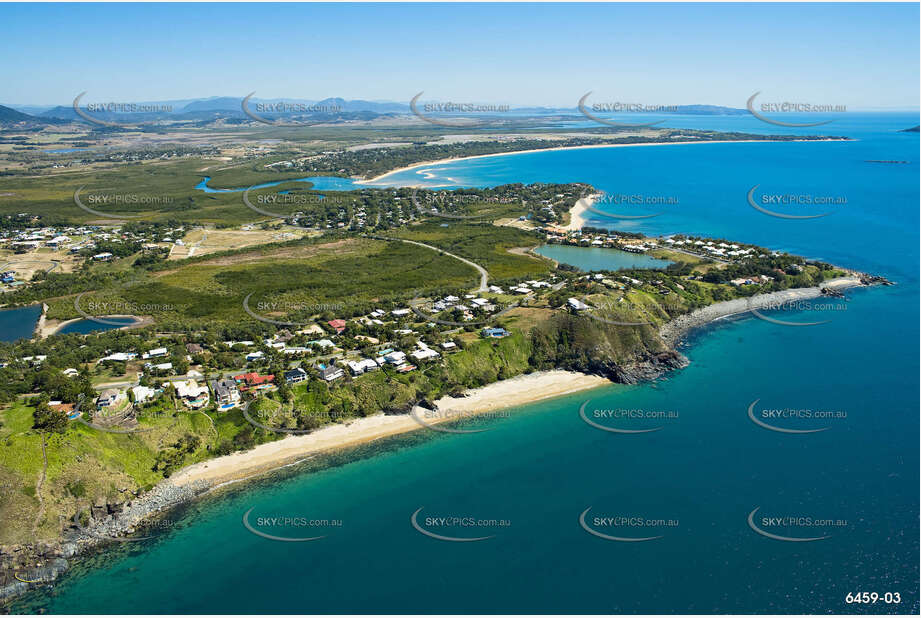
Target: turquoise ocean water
(692, 484)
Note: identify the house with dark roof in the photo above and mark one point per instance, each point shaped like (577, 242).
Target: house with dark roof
(295, 375)
(225, 393)
(331, 373)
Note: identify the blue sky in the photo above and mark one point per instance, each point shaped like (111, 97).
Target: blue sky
(858, 55)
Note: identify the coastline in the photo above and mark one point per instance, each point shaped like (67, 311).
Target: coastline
(197, 480)
(398, 170)
(577, 212)
(46, 328)
(516, 391)
(40, 325)
(675, 331)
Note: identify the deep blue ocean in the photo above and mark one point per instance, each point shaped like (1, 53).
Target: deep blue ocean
(691, 486)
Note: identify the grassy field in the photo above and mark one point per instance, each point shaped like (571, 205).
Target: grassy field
(487, 245)
(348, 274)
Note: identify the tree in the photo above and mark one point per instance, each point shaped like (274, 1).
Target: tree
(47, 419)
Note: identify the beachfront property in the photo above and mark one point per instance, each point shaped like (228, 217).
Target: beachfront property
(193, 396)
(109, 398)
(226, 394)
(361, 366)
(295, 376)
(424, 352)
(255, 382)
(143, 394)
(331, 373)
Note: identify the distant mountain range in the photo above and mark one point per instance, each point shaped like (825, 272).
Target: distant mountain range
(229, 108)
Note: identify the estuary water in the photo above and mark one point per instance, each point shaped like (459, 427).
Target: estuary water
(715, 493)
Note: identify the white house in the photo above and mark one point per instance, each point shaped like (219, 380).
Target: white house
(143, 393)
(156, 352)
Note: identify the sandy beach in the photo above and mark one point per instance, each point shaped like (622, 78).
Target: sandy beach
(499, 395)
(675, 330)
(577, 212)
(378, 179)
(46, 327)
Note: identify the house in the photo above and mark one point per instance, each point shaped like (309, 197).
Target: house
(254, 356)
(395, 358)
(70, 372)
(254, 381)
(424, 353)
(295, 350)
(337, 325)
(192, 395)
(576, 305)
(331, 373)
(109, 398)
(448, 345)
(225, 392)
(400, 312)
(362, 366)
(66, 408)
(295, 375)
(144, 393)
(194, 348)
(103, 257)
(119, 357)
(323, 343)
(495, 333)
(155, 353)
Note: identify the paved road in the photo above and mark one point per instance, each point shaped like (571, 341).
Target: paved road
(484, 276)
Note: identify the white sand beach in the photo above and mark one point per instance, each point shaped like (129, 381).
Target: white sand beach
(499, 395)
(578, 210)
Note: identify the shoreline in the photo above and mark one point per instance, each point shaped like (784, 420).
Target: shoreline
(398, 170)
(198, 480)
(517, 391)
(46, 328)
(677, 330)
(577, 216)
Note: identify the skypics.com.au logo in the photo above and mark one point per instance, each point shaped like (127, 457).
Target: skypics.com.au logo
(94, 112)
(429, 110)
(626, 528)
(621, 107)
(258, 111)
(455, 522)
(117, 200)
(787, 107)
